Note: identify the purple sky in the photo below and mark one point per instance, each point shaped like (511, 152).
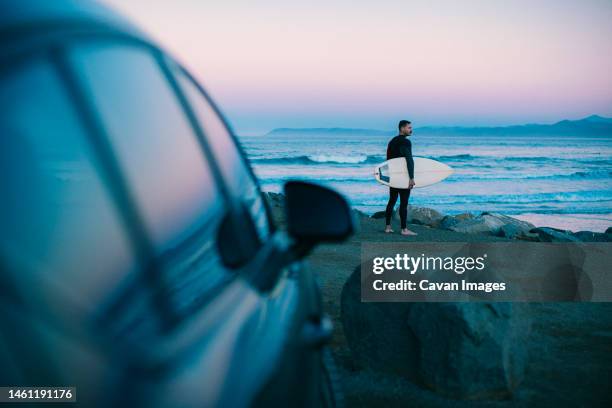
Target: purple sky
(368, 64)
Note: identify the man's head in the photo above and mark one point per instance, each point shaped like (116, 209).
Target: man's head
(405, 127)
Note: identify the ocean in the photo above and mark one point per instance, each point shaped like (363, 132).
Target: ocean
(563, 182)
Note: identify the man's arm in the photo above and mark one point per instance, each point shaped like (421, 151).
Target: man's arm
(406, 151)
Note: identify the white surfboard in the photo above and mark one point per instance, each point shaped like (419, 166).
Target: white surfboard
(394, 172)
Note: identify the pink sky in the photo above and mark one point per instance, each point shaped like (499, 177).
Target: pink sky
(367, 64)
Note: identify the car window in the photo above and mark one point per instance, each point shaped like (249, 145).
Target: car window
(233, 165)
(59, 225)
(163, 164)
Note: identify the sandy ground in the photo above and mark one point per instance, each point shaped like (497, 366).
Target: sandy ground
(570, 346)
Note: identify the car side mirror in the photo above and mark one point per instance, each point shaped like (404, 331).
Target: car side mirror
(316, 214)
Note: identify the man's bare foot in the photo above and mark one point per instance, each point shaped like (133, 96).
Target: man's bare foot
(388, 229)
(406, 231)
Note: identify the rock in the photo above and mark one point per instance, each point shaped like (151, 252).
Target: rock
(529, 236)
(471, 350)
(512, 228)
(493, 223)
(464, 216)
(448, 222)
(377, 333)
(511, 231)
(484, 224)
(548, 234)
(359, 215)
(424, 216)
(378, 215)
(276, 202)
(274, 199)
(589, 236)
(609, 230)
(518, 231)
(460, 350)
(451, 220)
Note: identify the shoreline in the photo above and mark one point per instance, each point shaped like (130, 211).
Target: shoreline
(577, 221)
(574, 222)
(471, 226)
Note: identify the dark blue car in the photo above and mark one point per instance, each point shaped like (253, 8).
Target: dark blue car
(138, 259)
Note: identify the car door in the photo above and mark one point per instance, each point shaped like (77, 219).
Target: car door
(294, 379)
(64, 249)
(222, 339)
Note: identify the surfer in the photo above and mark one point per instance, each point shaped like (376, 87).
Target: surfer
(400, 146)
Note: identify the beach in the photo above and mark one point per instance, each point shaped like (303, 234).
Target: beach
(569, 347)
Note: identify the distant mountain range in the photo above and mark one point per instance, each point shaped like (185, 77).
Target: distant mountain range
(593, 125)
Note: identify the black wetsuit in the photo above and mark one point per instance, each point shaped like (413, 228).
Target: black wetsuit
(399, 146)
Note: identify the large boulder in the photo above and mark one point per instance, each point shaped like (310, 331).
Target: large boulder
(378, 215)
(547, 234)
(511, 231)
(471, 350)
(524, 236)
(459, 350)
(276, 202)
(494, 224)
(512, 228)
(274, 199)
(589, 236)
(609, 230)
(463, 216)
(451, 220)
(424, 216)
(484, 224)
(377, 333)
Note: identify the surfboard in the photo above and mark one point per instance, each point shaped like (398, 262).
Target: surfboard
(394, 172)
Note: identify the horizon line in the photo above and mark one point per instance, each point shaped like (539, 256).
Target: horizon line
(428, 126)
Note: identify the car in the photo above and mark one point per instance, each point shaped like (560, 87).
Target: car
(139, 262)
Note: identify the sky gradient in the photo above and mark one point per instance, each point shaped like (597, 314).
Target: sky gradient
(368, 64)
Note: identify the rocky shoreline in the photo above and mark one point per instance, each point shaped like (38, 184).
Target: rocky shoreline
(497, 225)
(460, 354)
(487, 223)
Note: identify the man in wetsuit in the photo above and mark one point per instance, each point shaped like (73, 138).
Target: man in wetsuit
(400, 146)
